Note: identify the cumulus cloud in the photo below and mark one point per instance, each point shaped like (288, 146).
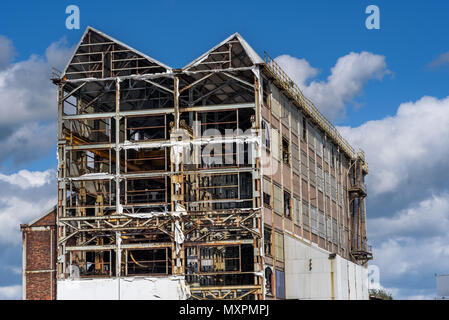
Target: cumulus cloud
(25, 196)
(28, 179)
(346, 80)
(429, 218)
(7, 51)
(13, 292)
(408, 194)
(29, 103)
(406, 146)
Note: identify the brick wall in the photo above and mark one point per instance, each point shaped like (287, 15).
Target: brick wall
(39, 261)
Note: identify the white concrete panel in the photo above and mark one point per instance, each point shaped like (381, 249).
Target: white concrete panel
(88, 289)
(130, 288)
(350, 281)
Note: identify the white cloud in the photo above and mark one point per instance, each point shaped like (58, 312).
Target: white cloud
(13, 292)
(346, 80)
(443, 59)
(25, 196)
(28, 179)
(429, 217)
(7, 51)
(29, 104)
(28, 142)
(408, 194)
(403, 145)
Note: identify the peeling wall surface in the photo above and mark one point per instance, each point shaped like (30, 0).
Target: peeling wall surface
(310, 274)
(129, 288)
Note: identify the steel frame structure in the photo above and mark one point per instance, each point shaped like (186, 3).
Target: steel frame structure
(129, 181)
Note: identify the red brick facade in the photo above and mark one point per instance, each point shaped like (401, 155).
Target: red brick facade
(39, 258)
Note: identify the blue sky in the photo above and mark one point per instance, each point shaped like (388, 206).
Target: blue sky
(398, 112)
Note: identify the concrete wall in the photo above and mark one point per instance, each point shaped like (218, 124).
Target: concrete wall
(310, 274)
(129, 288)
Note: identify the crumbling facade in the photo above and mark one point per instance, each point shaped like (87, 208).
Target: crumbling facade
(219, 180)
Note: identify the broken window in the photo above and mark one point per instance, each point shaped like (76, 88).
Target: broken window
(319, 144)
(267, 241)
(266, 134)
(267, 192)
(269, 281)
(285, 151)
(304, 129)
(265, 91)
(287, 205)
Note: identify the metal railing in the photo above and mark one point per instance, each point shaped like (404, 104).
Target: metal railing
(292, 88)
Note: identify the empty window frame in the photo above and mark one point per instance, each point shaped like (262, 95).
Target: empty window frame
(149, 261)
(80, 162)
(91, 263)
(150, 191)
(146, 128)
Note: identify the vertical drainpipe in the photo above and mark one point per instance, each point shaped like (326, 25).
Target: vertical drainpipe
(257, 99)
(118, 255)
(332, 280)
(24, 264)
